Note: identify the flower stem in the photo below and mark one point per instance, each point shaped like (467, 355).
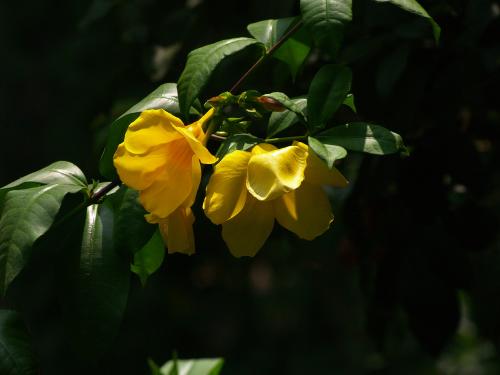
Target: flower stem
(285, 139)
(268, 53)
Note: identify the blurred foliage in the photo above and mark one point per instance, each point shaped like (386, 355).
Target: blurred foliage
(407, 280)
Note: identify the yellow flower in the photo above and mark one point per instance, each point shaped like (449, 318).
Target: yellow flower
(160, 157)
(248, 190)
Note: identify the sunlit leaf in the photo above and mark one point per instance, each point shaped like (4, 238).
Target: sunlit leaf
(268, 32)
(363, 137)
(193, 367)
(414, 7)
(326, 20)
(27, 214)
(288, 104)
(328, 153)
(16, 354)
(349, 101)
(200, 65)
(148, 259)
(327, 92)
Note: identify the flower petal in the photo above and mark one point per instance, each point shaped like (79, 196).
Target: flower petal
(305, 211)
(246, 232)
(226, 191)
(139, 171)
(196, 179)
(318, 173)
(274, 173)
(177, 231)
(174, 185)
(196, 146)
(153, 127)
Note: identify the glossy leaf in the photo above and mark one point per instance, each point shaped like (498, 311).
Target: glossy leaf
(328, 153)
(363, 137)
(148, 259)
(288, 104)
(97, 303)
(295, 51)
(16, 353)
(60, 172)
(165, 97)
(237, 142)
(280, 121)
(200, 65)
(327, 92)
(193, 367)
(414, 7)
(268, 32)
(326, 19)
(27, 214)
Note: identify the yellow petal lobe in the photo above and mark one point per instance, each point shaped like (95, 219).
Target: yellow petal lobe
(226, 191)
(274, 173)
(305, 211)
(246, 232)
(177, 231)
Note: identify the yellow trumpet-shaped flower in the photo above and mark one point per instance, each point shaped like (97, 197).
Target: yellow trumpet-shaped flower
(249, 190)
(160, 157)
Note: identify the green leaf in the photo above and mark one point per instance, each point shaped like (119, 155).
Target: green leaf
(328, 153)
(288, 104)
(363, 137)
(193, 367)
(164, 97)
(131, 230)
(60, 172)
(414, 7)
(349, 101)
(268, 32)
(27, 214)
(390, 69)
(148, 259)
(237, 142)
(327, 92)
(201, 63)
(326, 20)
(16, 353)
(96, 305)
(280, 121)
(294, 51)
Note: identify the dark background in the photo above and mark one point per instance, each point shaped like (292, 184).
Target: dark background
(407, 281)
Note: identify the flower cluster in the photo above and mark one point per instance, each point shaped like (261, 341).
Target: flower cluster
(248, 190)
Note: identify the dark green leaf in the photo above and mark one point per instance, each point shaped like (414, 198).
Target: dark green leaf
(148, 259)
(294, 51)
(349, 101)
(60, 172)
(165, 97)
(327, 92)
(194, 366)
(360, 136)
(288, 103)
(101, 284)
(414, 7)
(27, 214)
(328, 153)
(390, 70)
(326, 19)
(280, 121)
(16, 354)
(132, 231)
(237, 142)
(201, 63)
(268, 32)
